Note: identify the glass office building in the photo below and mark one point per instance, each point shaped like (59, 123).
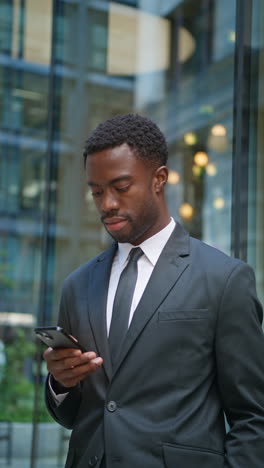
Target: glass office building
(196, 67)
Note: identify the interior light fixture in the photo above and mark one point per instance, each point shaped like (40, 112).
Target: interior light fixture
(173, 177)
(232, 36)
(186, 44)
(190, 138)
(218, 130)
(201, 158)
(219, 203)
(211, 169)
(147, 37)
(31, 190)
(186, 211)
(217, 139)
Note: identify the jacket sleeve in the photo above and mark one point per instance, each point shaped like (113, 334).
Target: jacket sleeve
(66, 411)
(240, 369)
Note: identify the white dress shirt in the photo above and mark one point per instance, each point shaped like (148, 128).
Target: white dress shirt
(152, 248)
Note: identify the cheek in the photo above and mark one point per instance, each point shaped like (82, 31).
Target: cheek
(139, 201)
(97, 204)
(145, 191)
(145, 206)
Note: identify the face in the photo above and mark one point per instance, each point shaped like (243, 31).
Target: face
(127, 193)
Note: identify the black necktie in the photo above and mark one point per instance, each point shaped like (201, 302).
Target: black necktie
(122, 303)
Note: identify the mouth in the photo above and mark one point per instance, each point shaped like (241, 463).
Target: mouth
(114, 223)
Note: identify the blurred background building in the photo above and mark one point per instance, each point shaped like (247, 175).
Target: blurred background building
(196, 67)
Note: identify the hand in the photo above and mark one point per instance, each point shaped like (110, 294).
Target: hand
(69, 366)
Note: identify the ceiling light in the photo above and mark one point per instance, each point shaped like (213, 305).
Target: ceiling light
(201, 158)
(218, 130)
(219, 203)
(211, 169)
(190, 138)
(186, 211)
(173, 177)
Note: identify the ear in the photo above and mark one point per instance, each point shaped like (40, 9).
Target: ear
(160, 178)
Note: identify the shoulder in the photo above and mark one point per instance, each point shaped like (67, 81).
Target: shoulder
(227, 280)
(198, 247)
(200, 253)
(214, 260)
(83, 272)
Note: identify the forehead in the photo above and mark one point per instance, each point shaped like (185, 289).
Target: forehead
(112, 163)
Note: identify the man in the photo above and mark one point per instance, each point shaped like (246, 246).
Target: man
(192, 350)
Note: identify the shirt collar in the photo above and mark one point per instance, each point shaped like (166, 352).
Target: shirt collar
(152, 247)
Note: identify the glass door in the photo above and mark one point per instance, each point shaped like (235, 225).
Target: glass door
(256, 150)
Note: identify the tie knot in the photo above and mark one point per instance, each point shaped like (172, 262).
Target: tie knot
(135, 254)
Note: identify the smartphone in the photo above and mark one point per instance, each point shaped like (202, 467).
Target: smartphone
(57, 337)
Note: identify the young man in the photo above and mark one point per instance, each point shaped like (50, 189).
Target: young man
(162, 370)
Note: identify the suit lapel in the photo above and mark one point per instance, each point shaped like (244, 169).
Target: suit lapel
(172, 262)
(97, 304)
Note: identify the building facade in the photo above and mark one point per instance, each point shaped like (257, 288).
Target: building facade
(196, 67)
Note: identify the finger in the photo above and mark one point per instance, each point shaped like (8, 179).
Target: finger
(47, 353)
(71, 380)
(51, 354)
(83, 367)
(78, 361)
(78, 373)
(70, 362)
(92, 365)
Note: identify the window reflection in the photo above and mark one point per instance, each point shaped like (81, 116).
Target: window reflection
(37, 33)
(25, 46)
(145, 35)
(256, 153)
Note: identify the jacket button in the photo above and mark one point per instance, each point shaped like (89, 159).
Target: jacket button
(111, 406)
(93, 460)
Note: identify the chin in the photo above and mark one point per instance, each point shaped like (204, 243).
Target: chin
(122, 239)
(128, 237)
(118, 237)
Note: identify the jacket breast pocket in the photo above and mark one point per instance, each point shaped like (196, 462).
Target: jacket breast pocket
(182, 314)
(190, 334)
(191, 457)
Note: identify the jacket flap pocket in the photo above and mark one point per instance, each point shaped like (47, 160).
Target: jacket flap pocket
(180, 314)
(179, 456)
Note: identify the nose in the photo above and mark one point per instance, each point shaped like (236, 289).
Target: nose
(109, 202)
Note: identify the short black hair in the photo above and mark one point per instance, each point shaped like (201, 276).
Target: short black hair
(140, 133)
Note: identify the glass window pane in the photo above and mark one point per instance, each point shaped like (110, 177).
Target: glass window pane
(256, 151)
(25, 44)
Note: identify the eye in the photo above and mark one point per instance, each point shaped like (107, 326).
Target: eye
(122, 189)
(96, 193)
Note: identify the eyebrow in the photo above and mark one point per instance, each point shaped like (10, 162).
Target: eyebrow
(113, 181)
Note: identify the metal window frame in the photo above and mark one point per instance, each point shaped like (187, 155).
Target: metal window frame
(241, 121)
(41, 318)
